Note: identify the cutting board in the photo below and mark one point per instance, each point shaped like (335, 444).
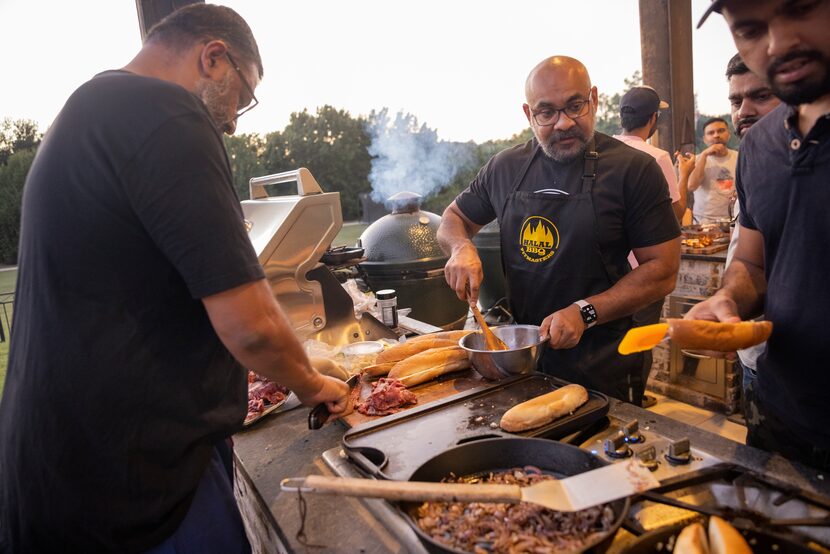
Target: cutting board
(711, 249)
(443, 387)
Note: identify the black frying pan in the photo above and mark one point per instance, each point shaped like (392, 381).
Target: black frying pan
(761, 542)
(505, 453)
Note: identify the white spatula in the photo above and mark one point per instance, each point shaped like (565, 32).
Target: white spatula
(571, 494)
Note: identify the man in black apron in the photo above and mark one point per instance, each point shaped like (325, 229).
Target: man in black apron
(571, 205)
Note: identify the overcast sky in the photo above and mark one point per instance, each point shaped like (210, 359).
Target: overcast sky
(457, 65)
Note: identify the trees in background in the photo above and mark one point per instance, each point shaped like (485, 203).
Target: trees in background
(18, 143)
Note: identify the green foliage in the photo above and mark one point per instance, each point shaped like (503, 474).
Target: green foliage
(332, 144)
(12, 177)
(245, 155)
(16, 136)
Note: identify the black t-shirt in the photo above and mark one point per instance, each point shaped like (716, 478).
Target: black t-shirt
(783, 182)
(631, 200)
(117, 385)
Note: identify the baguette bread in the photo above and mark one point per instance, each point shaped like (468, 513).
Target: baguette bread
(691, 540)
(399, 352)
(378, 370)
(329, 367)
(713, 335)
(429, 364)
(454, 336)
(543, 409)
(725, 539)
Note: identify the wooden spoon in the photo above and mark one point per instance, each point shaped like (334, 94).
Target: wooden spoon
(491, 341)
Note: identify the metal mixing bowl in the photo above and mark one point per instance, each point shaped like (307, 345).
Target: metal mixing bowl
(526, 349)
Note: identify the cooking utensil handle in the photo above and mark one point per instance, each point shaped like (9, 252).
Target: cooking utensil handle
(318, 416)
(306, 183)
(411, 490)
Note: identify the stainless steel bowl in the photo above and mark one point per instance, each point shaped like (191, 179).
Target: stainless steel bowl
(526, 349)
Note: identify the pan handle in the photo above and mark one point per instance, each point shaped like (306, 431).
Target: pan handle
(362, 457)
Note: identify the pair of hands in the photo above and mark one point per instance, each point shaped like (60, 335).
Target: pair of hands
(464, 274)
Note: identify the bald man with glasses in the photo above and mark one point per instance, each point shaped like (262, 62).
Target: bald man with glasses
(571, 204)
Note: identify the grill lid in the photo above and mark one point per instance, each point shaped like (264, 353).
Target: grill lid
(406, 235)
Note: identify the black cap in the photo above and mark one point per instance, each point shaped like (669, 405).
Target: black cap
(715, 6)
(642, 100)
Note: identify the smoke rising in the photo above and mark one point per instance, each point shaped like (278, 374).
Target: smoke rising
(409, 157)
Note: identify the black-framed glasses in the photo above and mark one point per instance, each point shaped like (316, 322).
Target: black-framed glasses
(251, 104)
(574, 110)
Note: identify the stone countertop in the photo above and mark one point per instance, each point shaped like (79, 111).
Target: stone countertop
(282, 446)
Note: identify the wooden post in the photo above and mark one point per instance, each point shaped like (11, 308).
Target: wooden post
(151, 12)
(666, 49)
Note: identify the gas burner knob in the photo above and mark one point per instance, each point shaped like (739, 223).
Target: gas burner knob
(648, 457)
(616, 447)
(680, 452)
(631, 430)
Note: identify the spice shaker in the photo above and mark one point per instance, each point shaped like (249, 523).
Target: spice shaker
(388, 304)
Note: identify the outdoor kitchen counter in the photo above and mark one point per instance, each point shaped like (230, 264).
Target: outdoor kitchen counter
(282, 446)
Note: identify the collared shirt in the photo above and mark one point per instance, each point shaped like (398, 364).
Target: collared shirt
(663, 160)
(783, 182)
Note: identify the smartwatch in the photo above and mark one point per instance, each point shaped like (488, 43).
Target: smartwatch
(588, 312)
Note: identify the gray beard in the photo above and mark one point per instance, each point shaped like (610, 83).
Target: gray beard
(215, 98)
(566, 156)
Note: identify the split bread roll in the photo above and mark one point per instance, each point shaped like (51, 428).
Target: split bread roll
(713, 335)
(543, 409)
(725, 539)
(691, 540)
(402, 351)
(430, 364)
(454, 336)
(329, 367)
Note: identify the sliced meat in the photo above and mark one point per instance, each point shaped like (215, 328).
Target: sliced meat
(387, 397)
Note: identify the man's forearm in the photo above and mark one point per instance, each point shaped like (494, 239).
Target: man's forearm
(745, 284)
(646, 284)
(696, 176)
(453, 233)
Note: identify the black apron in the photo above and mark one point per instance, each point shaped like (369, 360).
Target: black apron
(551, 255)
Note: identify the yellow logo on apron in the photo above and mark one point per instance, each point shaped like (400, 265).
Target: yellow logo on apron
(539, 239)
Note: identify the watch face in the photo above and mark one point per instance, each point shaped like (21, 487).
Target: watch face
(589, 314)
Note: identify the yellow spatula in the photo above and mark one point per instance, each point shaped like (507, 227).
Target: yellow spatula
(642, 338)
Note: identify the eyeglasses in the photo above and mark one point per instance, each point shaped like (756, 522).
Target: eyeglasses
(251, 104)
(574, 110)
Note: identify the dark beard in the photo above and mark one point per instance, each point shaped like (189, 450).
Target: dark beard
(566, 156)
(805, 91)
(745, 121)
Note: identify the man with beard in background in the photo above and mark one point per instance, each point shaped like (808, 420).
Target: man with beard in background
(712, 180)
(750, 99)
(140, 304)
(571, 205)
(779, 266)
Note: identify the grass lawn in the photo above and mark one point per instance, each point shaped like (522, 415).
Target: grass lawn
(349, 234)
(7, 281)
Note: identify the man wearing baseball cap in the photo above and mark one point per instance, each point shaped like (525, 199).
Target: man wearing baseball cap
(782, 182)
(639, 111)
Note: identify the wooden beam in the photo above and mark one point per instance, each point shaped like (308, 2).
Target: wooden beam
(666, 49)
(151, 12)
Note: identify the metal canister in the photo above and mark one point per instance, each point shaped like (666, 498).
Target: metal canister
(388, 304)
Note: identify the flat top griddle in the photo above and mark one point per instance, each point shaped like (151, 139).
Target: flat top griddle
(394, 446)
